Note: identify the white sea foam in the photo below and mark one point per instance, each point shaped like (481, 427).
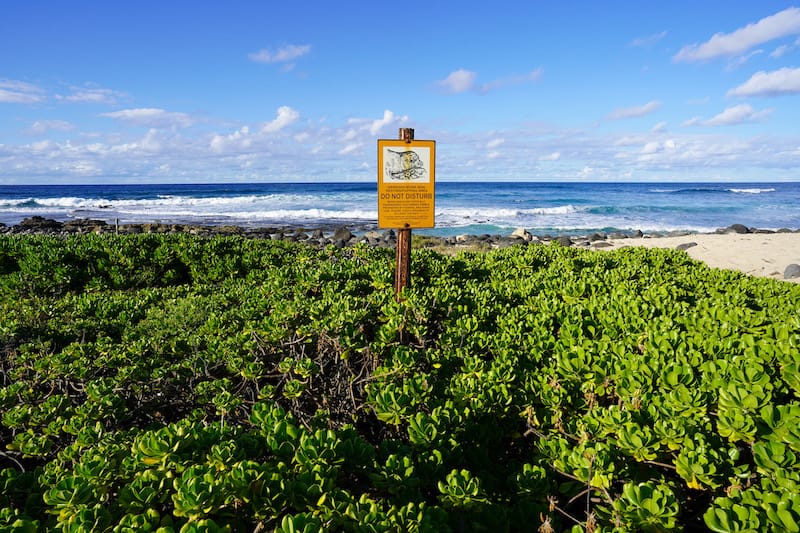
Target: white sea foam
(750, 191)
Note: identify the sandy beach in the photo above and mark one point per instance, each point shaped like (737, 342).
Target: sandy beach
(758, 254)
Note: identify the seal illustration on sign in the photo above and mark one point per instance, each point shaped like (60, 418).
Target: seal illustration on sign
(403, 166)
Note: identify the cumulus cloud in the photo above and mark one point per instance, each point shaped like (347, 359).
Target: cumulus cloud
(240, 139)
(660, 127)
(458, 81)
(781, 24)
(633, 112)
(284, 54)
(774, 83)
(152, 118)
(286, 116)
(363, 125)
(19, 92)
(654, 147)
(731, 116)
(377, 125)
(555, 156)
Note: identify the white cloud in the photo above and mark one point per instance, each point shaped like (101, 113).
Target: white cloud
(660, 127)
(152, 118)
(655, 147)
(780, 51)
(533, 77)
(741, 60)
(91, 95)
(238, 140)
(737, 115)
(377, 125)
(586, 172)
(19, 92)
(555, 156)
(458, 81)
(286, 116)
(284, 54)
(633, 112)
(40, 127)
(731, 116)
(364, 125)
(494, 143)
(462, 80)
(648, 40)
(774, 83)
(350, 148)
(781, 24)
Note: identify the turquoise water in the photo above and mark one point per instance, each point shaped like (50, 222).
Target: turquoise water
(490, 207)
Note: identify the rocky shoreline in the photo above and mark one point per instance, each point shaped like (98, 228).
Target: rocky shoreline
(343, 236)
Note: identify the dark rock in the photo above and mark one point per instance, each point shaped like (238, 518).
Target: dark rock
(792, 271)
(40, 223)
(594, 237)
(685, 245)
(618, 235)
(317, 234)
(84, 223)
(785, 230)
(563, 240)
(601, 244)
(679, 233)
(342, 234)
(737, 228)
(637, 234)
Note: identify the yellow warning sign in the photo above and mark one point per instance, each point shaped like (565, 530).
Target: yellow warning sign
(406, 183)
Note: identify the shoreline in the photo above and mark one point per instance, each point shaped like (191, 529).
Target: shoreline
(756, 252)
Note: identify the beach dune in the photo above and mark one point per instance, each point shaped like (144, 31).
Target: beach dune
(757, 254)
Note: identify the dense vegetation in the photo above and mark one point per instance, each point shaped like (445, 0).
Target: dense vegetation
(177, 383)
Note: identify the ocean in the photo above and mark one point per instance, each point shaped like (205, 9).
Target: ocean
(461, 207)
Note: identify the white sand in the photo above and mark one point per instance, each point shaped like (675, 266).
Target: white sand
(758, 254)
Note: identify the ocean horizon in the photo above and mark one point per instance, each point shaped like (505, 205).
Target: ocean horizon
(460, 207)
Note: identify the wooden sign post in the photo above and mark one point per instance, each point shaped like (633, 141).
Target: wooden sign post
(406, 194)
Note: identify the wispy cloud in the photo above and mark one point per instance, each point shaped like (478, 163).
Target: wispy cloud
(774, 83)
(738, 114)
(91, 95)
(462, 80)
(40, 127)
(781, 24)
(20, 92)
(531, 77)
(285, 54)
(634, 112)
(649, 40)
(784, 49)
(152, 118)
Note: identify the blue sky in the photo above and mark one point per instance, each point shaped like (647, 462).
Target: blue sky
(246, 91)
